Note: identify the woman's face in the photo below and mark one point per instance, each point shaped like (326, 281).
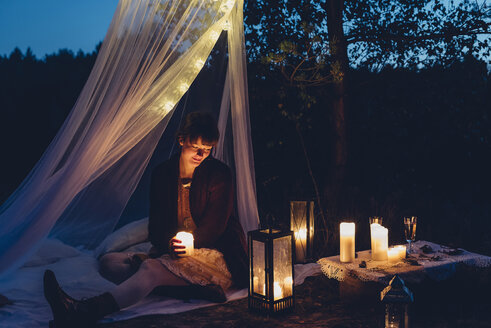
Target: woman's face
(193, 153)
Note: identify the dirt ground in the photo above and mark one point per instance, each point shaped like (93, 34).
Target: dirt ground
(462, 301)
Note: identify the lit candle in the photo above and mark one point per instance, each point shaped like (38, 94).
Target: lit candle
(187, 240)
(380, 242)
(300, 244)
(278, 292)
(347, 242)
(393, 255)
(402, 251)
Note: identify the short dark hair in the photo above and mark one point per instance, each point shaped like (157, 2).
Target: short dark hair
(199, 124)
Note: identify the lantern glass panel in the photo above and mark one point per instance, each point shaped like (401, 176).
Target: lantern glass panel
(282, 264)
(258, 272)
(396, 316)
(302, 225)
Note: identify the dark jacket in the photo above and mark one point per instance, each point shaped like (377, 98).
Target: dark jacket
(211, 201)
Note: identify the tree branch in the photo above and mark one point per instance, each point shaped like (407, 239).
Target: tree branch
(430, 36)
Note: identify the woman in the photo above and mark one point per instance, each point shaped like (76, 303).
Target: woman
(190, 192)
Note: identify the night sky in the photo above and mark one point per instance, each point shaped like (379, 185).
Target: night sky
(49, 25)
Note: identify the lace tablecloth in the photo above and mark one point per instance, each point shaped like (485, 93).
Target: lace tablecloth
(434, 261)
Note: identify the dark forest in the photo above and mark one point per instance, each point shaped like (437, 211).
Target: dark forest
(416, 138)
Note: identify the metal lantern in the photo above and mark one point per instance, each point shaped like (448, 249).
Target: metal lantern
(396, 297)
(302, 225)
(271, 271)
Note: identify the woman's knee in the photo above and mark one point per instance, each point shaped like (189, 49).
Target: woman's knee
(113, 267)
(152, 268)
(110, 261)
(150, 265)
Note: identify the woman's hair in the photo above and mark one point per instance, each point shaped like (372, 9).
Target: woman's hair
(199, 124)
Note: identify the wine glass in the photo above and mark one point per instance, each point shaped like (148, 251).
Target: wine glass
(375, 219)
(410, 230)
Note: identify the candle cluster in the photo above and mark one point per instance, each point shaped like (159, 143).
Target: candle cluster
(379, 242)
(278, 290)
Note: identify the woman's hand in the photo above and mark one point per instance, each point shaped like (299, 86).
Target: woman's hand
(176, 249)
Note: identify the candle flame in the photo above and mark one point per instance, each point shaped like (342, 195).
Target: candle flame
(301, 234)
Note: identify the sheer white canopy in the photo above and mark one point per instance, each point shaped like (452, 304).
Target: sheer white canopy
(152, 53)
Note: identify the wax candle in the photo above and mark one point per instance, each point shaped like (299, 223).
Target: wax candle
(373, 226)
(187, 240)
(402, 251)
(393, 255)
(380, 242)
(347, 242)
(300, 244)
(278, 292)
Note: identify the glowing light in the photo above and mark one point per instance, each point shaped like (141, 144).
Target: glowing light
(187, 240)
(227, 25)
(199, 64)
(278, 292)
(183, 87)
(214, 35)
(168, 106)
(227, 5)
(347, 242)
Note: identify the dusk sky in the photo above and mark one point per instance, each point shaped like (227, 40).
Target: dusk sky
(49, 25)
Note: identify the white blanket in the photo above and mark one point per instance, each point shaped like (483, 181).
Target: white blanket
(77, 273)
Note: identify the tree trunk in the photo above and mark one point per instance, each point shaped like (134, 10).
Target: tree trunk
(339, 53)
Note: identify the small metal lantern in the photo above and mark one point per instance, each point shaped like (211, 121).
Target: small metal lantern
(271, 271)
(396, 297)
(302, 225)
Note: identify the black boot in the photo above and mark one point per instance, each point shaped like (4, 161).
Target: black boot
(213, 293)
(69, 312)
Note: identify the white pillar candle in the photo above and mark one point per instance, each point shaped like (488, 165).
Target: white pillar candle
(380, 242)
(300, 244)
(393, 255)
(402, 251)
(373, 226)
(187, 240)
(347, 242)
(278, 292)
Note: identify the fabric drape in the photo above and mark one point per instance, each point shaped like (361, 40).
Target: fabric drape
(150, 56)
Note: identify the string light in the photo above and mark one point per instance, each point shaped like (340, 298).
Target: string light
(227, 5)
(214, 35)
(227, 25)
(199, 64)
(183, 87)
(168, 106)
